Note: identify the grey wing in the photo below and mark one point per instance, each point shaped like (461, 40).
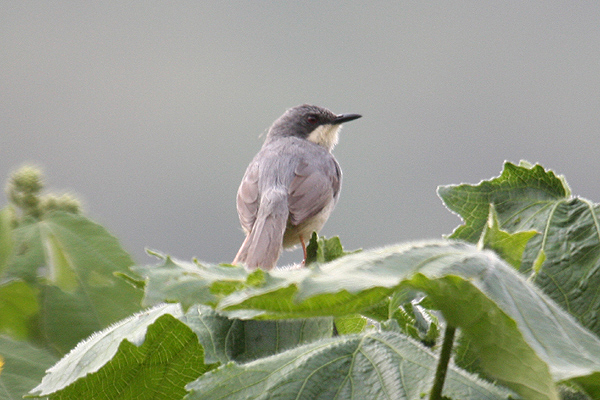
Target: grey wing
(313, 187)
(247, 198)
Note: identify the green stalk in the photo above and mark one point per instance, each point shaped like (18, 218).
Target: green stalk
(442, 367)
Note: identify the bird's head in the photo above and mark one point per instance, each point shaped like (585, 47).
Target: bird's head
(316, 124)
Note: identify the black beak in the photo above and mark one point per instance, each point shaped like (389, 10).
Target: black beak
(339, 119)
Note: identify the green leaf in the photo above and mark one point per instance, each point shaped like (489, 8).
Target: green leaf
(509, 246)
(403, 321)
(320, 249)
(418, 322)
(539, 261)
(565, 258)
(190, 283)
(465, 356)
(18, 304)
(150, 355)
(408, 311)
(28, 257)
(65, 319)
(350, 324)
(386, 309)
(73, 260)
(219, 335)
(63, 274)
(524, 339)
(24, 367)
(197, 283)
(133, 281)
(7, 217)
(527, 194)
(371, 366)
(226, 339)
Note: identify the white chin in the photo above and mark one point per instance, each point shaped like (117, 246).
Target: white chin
(325, 135)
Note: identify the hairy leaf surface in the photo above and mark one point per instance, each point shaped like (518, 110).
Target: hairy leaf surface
(189, 283)
(565, 257)
(225, 339)
(150, 355)
(524, 339)
(371, 366)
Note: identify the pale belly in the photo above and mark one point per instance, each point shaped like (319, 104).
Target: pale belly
(292, 234)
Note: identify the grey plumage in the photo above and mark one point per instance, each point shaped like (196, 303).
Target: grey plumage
(291, 186)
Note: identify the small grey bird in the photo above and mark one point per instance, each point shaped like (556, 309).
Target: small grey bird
(291, 186)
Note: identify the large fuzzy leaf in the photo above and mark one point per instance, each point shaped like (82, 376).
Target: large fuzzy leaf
(565, 257)
(226, 339)
(73, 261)
(150, 355)
(371, 366)
(188, 283)
(193, 283)
(509, 246)
(523, 192)
(524, 339)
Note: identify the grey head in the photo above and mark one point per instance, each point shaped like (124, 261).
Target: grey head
(315, 124)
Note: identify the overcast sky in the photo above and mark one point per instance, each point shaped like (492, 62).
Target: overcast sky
(150, 111)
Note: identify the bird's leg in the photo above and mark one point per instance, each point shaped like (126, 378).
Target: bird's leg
(303, 250)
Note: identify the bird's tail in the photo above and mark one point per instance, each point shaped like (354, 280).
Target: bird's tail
(262, 247)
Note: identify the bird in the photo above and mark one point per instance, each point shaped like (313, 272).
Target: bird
(291, 186)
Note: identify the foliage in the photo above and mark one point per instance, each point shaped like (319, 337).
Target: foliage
(524, 295)
(151, 353)
(564, 258)
(354, 366)
(56, 278)
(24, 367)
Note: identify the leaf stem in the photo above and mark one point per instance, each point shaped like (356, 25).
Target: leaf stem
(442, 367)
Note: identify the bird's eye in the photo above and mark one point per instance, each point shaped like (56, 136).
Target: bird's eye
(312, 119)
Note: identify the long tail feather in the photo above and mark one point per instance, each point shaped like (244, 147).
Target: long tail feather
(262, 246)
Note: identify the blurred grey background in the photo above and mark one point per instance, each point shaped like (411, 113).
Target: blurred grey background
(150, 111)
